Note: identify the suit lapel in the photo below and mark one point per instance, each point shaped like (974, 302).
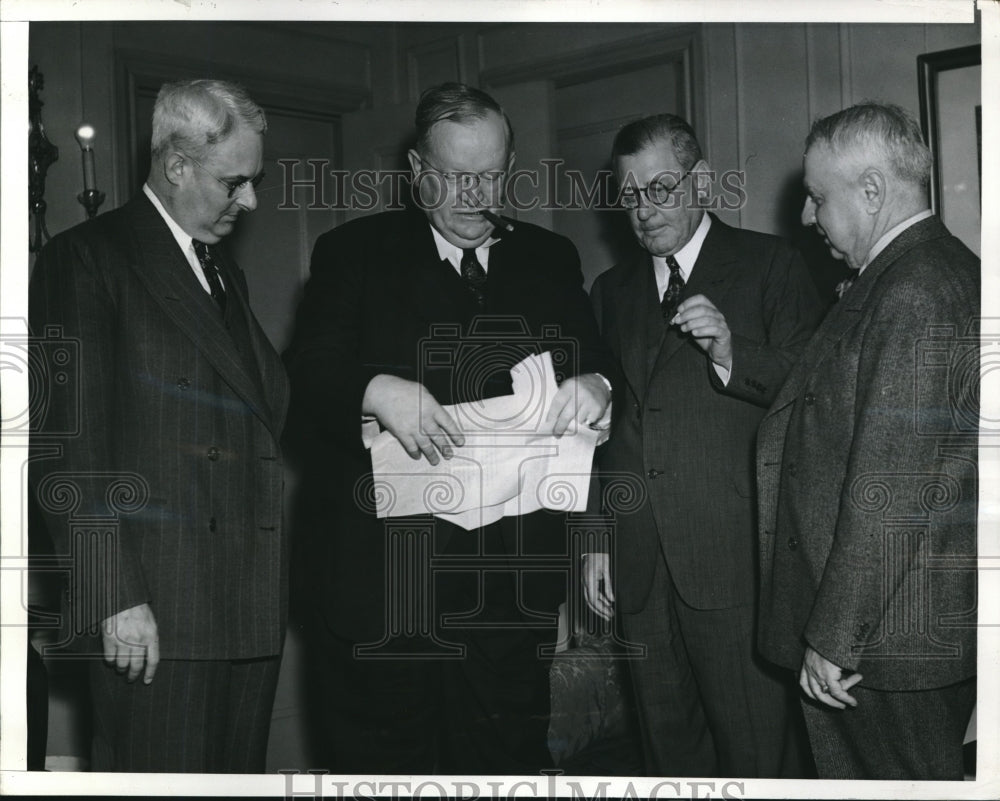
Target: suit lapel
(273, 379)
(431, 288)
(165, 272)
(848, 311)
(640, 322)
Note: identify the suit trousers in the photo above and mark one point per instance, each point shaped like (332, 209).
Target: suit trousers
(707, 704)
(205, 716)
(483, 711)
(915, 734)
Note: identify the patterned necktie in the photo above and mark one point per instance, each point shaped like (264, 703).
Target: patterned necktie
(672, 294)
(211, 270)
(474, 276)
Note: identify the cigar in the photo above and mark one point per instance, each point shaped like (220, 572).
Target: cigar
(497, 221)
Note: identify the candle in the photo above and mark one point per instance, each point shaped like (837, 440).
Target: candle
(85, 136)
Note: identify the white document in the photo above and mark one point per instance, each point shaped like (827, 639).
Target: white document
(506, 467)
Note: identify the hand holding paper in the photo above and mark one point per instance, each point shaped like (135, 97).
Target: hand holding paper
(510, 462)
(583, 398)
(413, 416)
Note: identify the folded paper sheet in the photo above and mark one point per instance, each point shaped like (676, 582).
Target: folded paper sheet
(507, 466)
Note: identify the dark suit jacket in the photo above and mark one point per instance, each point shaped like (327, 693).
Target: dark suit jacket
(163, 407)
(686, 440)
(867, 475)
(380, 300)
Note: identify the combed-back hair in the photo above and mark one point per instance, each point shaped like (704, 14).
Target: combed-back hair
(456, 102)
(880, 129)
(192, 116)
(640, 134)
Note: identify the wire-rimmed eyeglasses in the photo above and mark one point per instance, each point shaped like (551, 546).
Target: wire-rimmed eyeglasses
(233, 185)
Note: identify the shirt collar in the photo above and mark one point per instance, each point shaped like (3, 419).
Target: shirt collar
(687, 255)
(453, 253)
(891, 234)
(183, 238)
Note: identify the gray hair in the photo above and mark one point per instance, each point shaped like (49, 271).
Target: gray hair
(192, 116)
(879, 128)
(455, 102)
(670, 128)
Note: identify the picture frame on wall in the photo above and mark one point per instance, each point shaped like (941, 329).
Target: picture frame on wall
(951, 117)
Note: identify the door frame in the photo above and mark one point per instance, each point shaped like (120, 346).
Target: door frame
(144, 72)
(679, 45)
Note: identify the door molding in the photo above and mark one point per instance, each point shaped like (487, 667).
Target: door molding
(141, 73)
(680, 45)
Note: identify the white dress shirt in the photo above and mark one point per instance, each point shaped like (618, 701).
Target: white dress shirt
(453, 253)
(184, 241)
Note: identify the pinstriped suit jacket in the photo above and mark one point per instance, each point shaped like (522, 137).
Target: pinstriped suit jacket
(687, 439)
(166, 404)
(867, 470)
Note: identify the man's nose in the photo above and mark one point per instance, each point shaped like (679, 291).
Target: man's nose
(246, 197)
(809, 212)
(471, 193)
(644, 210)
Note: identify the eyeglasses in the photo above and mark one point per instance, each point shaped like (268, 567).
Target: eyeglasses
(467, 180)
(236, 184)
(657, 193)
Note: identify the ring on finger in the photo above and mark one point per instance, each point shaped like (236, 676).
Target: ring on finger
(824, 688)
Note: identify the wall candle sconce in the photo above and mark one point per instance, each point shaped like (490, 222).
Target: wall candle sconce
(41, 155)
(90, 197)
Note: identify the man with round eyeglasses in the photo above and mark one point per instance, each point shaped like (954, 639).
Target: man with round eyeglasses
(172, 455)
(705, 320)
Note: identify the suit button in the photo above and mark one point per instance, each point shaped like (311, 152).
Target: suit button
(213, 454)
(212, 524)
(654, 473)
(183, 383)
(792, 543)
(810, 399)
(792, 469)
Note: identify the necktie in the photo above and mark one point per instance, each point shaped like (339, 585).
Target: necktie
(474, 276)
(672, 294)
(211, 270)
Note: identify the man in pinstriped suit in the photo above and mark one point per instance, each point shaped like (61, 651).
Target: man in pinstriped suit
(182, 401)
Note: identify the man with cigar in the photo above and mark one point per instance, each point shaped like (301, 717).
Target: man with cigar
(164, 487)
(867, 469)
(706, 320)
(381, 289)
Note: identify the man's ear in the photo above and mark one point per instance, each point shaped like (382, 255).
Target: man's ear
(416, 165)
(173, 168)
(701, 178)
(873, 186)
